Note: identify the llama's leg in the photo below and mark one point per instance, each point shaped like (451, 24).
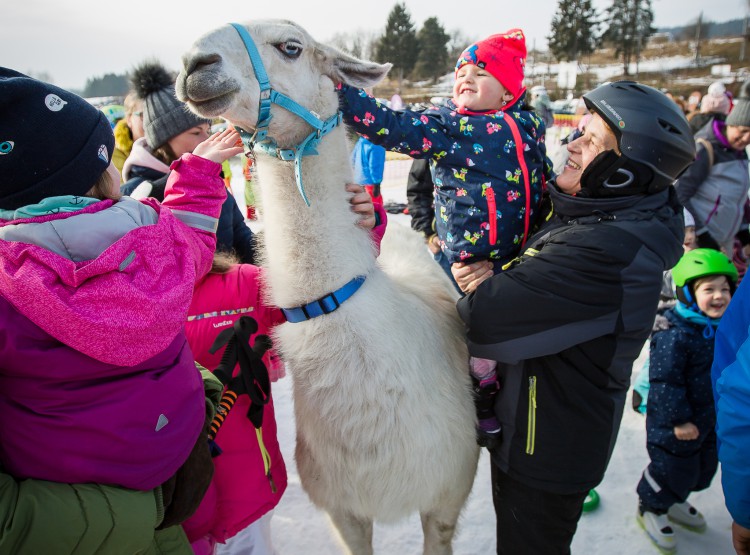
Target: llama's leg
(439, 526)
(355, 533)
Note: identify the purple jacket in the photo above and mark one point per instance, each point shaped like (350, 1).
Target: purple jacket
(97, 382)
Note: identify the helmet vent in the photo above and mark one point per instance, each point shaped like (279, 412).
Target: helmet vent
(668, 127)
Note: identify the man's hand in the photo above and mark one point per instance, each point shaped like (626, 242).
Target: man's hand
(469, 276)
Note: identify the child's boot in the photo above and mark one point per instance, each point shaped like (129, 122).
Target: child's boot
(488, 427)
(658, 529)
(688, 516)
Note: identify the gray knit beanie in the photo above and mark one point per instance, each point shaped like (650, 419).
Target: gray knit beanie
(740, 114)
(164, 116)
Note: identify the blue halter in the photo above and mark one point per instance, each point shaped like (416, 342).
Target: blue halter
(270, 96)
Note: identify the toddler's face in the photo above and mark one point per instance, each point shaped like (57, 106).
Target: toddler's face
(712, 295)
(476, 89)
(689, 242)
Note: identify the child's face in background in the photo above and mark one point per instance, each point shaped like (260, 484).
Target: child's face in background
(186, 141)
(689, 243)
(476, 89)
(738, 136)
(712, 295)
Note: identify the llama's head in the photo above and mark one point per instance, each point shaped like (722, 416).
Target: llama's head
(218, 79)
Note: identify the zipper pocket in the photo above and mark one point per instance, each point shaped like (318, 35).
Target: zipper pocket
(531, 426)
(714, 209)
(492, 215)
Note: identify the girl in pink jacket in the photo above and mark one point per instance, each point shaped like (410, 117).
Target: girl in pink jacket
(97, 382)
(250, 475)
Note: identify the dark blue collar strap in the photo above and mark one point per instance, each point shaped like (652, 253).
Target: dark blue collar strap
(324, 305)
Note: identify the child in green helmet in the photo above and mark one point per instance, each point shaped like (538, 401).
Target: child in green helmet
(680, 417)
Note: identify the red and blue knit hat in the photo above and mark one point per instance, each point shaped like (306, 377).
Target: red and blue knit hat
(503, 55)
(52, 142)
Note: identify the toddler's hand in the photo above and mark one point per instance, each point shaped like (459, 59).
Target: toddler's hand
(220, 146)
(469, 276)
(362, 205)
(686, 431)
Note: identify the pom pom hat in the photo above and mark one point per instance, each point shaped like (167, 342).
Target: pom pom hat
(164, 116)
(52, 142)
(740, 114)
(503, 55)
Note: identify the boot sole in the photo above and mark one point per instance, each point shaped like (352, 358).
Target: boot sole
(664, 550)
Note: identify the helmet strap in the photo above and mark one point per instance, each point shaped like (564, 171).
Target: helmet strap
(613, 175)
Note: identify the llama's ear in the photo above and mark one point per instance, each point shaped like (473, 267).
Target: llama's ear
(343, 68)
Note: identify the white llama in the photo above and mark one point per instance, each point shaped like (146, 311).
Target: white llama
(382, 396)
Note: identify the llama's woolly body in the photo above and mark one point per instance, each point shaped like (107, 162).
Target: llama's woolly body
(384, 417)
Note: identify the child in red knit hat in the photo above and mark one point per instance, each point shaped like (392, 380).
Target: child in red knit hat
(489, 166)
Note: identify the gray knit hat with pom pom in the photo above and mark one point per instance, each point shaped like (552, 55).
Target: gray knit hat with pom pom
(740, 114)
(164, 116)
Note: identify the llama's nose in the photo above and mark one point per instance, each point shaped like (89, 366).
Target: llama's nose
(199, 61)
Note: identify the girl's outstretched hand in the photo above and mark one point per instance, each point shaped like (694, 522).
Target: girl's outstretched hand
(220, 146)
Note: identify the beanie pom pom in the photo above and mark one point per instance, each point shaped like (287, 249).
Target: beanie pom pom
(149, 78)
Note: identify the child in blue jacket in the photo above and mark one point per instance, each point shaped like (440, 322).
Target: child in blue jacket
(490, 166)
(680, 417)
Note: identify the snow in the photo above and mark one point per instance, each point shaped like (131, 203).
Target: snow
(299, 528)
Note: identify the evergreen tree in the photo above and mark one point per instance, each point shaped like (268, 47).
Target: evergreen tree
(432, 61)
(574, 30)
(399, 44)
(630, 24)
(108, 85)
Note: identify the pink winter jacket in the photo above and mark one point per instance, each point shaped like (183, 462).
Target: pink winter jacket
(97, 383)
(240, 492)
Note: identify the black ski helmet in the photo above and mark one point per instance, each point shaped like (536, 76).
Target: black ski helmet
(654, 138)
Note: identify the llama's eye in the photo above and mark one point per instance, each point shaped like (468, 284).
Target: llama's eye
(6, 147)
(290, 49)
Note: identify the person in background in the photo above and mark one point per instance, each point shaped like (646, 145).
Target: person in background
(128, 130)
(730, 378)
(171, 130)
(566, 321)
(715, 104)
(714, 188)
(93, 355)
(368, 161)
(680, 417)
(542, 105)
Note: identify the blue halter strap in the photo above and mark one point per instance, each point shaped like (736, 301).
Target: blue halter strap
(270, 96)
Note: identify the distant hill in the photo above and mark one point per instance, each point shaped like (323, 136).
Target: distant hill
(712, 30)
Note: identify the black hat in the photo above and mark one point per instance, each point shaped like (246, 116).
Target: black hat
(52, 142)
(164, 116)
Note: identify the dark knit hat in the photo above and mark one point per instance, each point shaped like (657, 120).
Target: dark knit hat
(164, 116)
(503, 55)
(52, 142)
(740, 114)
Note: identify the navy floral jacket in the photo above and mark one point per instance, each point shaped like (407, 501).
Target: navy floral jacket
(489, 169)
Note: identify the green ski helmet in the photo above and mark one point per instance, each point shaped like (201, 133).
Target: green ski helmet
(700, 263)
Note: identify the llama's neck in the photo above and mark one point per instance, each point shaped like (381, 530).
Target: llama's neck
(311, 251)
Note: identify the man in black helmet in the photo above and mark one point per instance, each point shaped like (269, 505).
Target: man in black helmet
(566, 322)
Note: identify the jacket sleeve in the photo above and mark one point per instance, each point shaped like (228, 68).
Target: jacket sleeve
(569, 292)
(420, 197)
(730, 375)
(45, 517)
(667, 385)
(420, 135)
(376, 163)
(242, 236)
(690, 182)
(194, 193)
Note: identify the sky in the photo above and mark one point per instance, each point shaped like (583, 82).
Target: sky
(71, 42)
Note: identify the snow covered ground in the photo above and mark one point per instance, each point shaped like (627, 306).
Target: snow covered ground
(299, 528)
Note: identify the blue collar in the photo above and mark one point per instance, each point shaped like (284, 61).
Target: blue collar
(324, 305)
(269, 96)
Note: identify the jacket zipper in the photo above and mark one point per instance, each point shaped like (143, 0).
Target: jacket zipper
(715, 208)
(492, 216)
(531, 429)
